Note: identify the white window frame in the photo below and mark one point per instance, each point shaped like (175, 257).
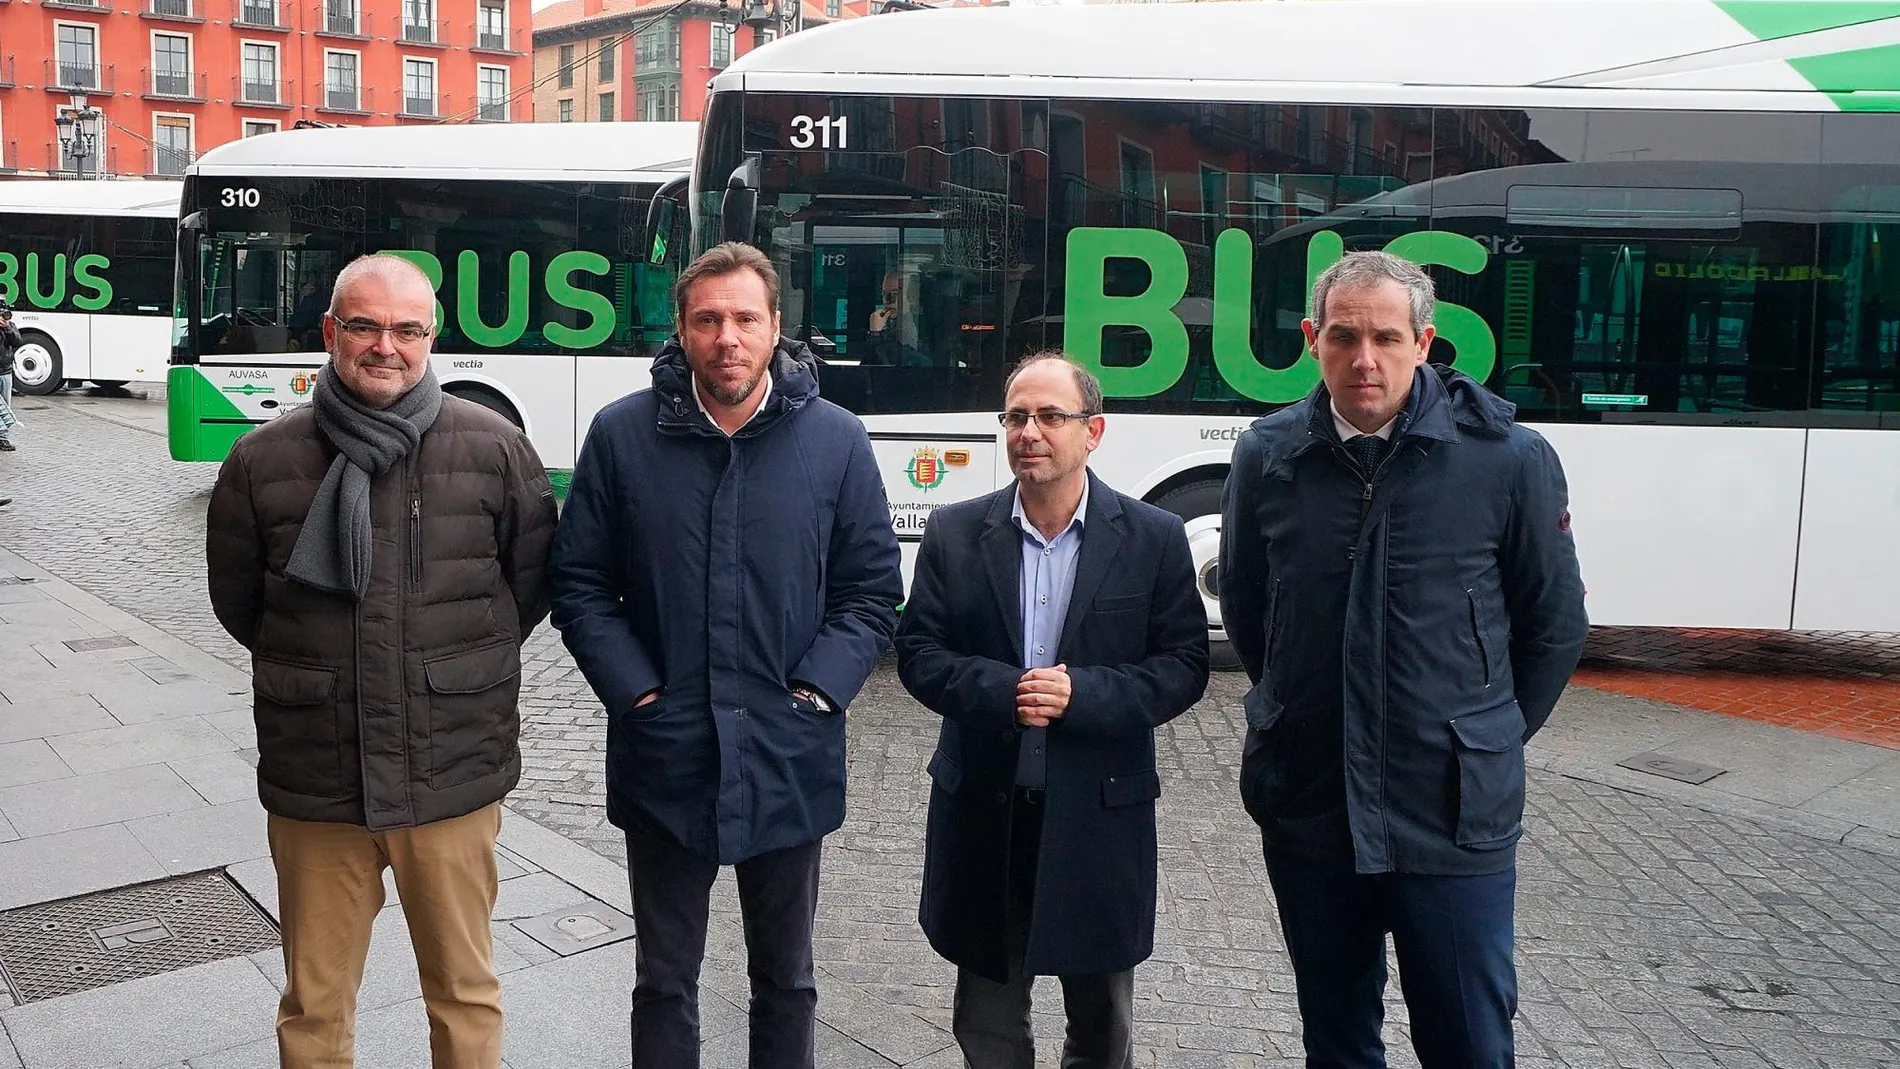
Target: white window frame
(276, 126)
(191, 137)
(98, 66)
(277, 71)
(191, 61)
(356, 17)
(569, 117)
(435, 86)
(729, 32)
(502, 32)
(358, 56)
(506, 88)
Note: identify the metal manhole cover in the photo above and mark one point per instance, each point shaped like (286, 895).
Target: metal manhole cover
(104, 642)
(58, 948)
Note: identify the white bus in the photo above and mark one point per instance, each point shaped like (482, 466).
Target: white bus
(1668, 230)
(535, 234)
(87, 267)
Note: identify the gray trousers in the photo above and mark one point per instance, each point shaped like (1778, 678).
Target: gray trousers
(991, 1020)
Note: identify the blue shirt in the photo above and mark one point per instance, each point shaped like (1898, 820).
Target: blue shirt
(1048, 576)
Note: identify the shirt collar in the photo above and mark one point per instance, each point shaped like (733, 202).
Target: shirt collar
(1347, 432)
(765, 383)
(1022, 521)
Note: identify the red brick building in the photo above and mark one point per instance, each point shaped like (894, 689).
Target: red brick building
(164, 80)
(614, 61)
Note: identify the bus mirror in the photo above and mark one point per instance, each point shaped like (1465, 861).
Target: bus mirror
(195, 222)
(739, 208)
(663, 213)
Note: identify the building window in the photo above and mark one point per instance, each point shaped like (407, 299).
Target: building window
(258, 12)
(172, 144)
(659, 100)
(567, 67)
(564, 110)
(171, 65)
(260, 127)
(491, 91)
(418, 87)
(339, 16)
(78, 57)
(606, 107)
(180, 9)
(340, 91)
(492, 27)
(260, 73)
(418, 21)
(721, 45)
(658, 46)
(834, 8)
(606, 59)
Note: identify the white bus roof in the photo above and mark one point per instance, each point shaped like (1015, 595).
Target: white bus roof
(56, 197)
(509, 151)
(1731, 54)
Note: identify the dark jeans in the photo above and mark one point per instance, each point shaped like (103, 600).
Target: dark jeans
(1452, 935)
(991, 1020)
(778, 897)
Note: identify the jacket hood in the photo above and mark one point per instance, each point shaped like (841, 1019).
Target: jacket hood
(794, 371)
(1443, 403)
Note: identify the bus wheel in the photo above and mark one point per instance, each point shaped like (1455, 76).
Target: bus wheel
(1198, 505)
(486, 398)
(37, 365)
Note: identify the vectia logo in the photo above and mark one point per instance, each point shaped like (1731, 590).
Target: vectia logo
(1087, 308)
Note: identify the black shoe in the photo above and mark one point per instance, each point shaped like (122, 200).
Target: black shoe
(6, 501)
(6, 446)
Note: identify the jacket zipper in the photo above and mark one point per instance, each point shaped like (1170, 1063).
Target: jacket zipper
(415, 540)
(1477, 634)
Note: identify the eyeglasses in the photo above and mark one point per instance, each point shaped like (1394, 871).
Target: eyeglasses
(1048, 419)
(362, 330)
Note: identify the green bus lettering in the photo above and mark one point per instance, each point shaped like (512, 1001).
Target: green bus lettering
(431, 267)
(565, 293)
(1087, 308)
(468, 290)
(83, 279)
(10, 278)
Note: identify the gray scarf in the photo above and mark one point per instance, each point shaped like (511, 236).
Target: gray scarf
(333, 549)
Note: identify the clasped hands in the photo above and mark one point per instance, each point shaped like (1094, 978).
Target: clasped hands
(1042, 696)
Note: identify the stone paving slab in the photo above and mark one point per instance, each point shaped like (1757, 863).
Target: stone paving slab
(116, 1025)
(101, 798)
(208, 837)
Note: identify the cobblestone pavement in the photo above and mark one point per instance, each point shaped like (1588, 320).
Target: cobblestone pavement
(1651, 933)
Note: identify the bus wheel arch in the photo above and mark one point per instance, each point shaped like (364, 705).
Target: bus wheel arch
(487, 398)
(38, 365)
(1194, 495)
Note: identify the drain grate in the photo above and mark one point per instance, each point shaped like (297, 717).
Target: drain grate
(58, 948)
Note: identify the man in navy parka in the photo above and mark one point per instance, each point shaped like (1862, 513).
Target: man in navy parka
(725, 575)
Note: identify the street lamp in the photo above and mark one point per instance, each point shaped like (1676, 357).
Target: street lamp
(79, 132)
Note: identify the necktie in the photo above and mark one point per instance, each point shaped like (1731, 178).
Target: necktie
(1367, 451)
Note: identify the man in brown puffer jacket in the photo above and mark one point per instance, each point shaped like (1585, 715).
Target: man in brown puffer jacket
(382, 554)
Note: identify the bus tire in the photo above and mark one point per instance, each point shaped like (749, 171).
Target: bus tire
(486, 398)
(37, 364)
(1198, 505)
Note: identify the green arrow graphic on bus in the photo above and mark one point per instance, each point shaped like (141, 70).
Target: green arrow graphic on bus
(1863, 79)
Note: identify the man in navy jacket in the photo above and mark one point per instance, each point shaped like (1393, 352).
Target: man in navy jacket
(725, 575)
(1399, 579)
(1053, 625)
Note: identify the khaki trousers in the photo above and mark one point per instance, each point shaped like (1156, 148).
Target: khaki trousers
(329, 889)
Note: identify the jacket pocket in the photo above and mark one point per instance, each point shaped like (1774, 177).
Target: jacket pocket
(1122, 603)
(945, 772)
(1131, 788)
(1477, 634)
(1263, 710)
(1490, 749)
(298, 745)
(473, 724)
